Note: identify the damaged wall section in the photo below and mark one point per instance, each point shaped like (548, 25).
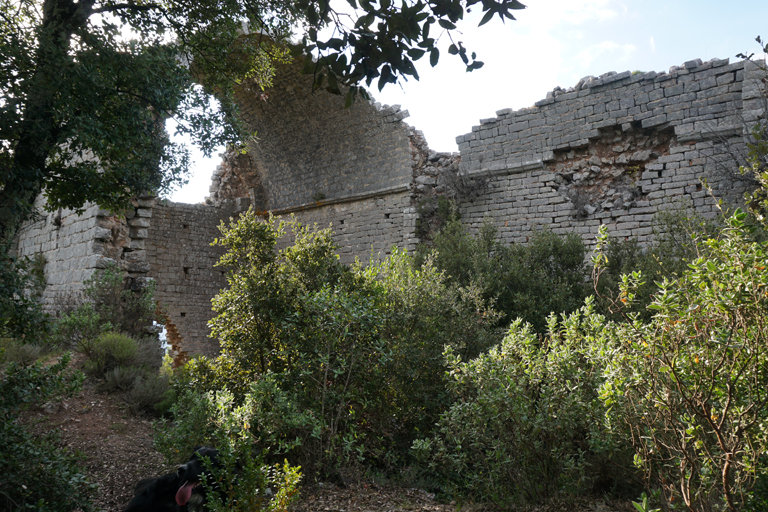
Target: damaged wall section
(614, 150)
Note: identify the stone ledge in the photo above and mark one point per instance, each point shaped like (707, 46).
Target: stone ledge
(508, 169)
(328, 202)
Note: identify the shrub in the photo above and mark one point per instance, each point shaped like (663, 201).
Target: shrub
(121, 378)
(21, 283)
(248, 484)
(80, 328)
(109, 306)
(680, 237)
(526, 281)
(37, 473)
(147, 394)
(129, 310)
(351, 356)
(527, 424)
(691, 384)
(111, 350)
(23, 354)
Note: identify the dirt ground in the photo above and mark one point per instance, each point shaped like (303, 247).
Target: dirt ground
(119, 451)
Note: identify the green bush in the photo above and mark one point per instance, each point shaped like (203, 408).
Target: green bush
(131, 311)
(148, 394)
(80, 328)
(21, 282)
(109, 306)
(111, 350)
(352, 356)
(528, 281)
(679, 238)
(121, 378)
(214, 419)
(37, 473)
(691, 384)
(527, 424)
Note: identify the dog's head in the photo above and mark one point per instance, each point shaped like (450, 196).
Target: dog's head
(191, 472)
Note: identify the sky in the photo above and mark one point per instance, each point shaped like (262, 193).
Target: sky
(552, 43)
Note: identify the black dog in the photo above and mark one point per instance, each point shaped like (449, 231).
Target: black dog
(175, 492)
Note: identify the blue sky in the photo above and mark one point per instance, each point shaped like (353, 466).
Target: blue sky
(554, 43)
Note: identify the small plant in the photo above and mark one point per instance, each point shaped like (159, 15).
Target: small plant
(112, 350)
(147, 394)
(121, 378)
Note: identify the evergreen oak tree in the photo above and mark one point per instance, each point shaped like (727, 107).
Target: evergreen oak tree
(86, 85)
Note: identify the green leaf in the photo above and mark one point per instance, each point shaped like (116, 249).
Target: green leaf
(434, 56)
(446, 24)
(486, 18)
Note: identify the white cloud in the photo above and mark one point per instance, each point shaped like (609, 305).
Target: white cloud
(653, 44)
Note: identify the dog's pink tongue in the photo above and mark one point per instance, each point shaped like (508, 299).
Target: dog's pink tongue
(183, 494)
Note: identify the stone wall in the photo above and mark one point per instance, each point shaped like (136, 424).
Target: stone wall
(75, 245)
(181, 261)
(309, 148)
(614, 150)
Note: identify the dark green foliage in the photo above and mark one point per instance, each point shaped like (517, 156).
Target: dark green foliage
(214, 419)
(110, 306)
(129, 310)
(527, 425)
(339, 364)
(679, 239)
(37, 473)
(21, 282)
(528, 281)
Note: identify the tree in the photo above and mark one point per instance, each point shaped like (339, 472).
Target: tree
(85, 85)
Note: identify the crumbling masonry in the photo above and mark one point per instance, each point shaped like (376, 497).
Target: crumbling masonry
(612, 150)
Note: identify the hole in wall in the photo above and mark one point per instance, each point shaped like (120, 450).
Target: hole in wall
(186, 271)
(386, 215)
(341, 221)
(184, 226)
(183, 315)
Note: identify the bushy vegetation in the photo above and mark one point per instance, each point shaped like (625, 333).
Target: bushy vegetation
(37, 474)
(341, 365)
(679, 238)
(528, 281)
(21, 282)
(215, 419)
(109, 305)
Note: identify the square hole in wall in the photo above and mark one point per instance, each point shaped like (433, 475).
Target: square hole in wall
(341, 221)
(186, 271)
(184, 226)
(386, 215)
(183, 315)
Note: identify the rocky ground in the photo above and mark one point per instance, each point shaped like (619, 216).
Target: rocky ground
(118, 451)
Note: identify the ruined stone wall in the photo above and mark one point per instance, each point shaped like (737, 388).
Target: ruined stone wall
(75, 246)
(613, 150)
(364, 228)
(181, 260)
(309, 148)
